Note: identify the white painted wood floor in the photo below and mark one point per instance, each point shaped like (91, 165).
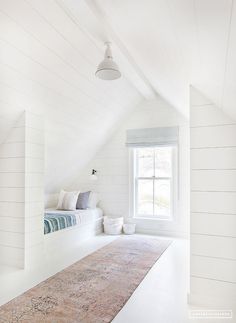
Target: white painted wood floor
(160, 298)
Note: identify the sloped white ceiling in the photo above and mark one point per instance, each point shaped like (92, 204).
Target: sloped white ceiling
(47, 66)
(49, 51)
(180, 42)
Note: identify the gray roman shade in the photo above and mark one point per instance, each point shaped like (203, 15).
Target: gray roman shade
(160, 136)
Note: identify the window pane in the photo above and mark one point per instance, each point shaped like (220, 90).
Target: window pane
(163, 162)
(145, 197)
(162, 197)
(145, 162)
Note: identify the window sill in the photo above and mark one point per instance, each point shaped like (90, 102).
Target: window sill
(138, 217)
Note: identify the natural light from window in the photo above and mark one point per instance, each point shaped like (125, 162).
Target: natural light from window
(153, 181)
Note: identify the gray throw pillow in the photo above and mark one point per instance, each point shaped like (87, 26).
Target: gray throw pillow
(82, 202)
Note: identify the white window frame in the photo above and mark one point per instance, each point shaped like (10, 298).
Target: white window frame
(133, 186)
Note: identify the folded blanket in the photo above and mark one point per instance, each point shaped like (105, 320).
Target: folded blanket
(55, 222)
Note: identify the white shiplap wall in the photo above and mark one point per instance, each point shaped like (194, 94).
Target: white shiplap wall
(34, 188)
(12, 196)
(47, 66)
(112, 164)
(21, 191)
(213, 203)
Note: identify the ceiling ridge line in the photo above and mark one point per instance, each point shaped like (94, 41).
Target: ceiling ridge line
(87, 34)
(102, 17)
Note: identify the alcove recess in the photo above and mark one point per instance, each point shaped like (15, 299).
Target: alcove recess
(22, 193)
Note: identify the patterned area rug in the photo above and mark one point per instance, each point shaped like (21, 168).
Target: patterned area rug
(93, 290)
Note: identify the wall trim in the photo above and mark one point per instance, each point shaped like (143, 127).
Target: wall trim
(164, 233)
(210, 301)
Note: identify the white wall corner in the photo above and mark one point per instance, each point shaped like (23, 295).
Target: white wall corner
(21, 191)
(112, 163)
(213, 204)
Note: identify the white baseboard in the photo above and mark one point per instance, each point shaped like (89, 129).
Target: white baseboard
(202, 300)
(164, 233)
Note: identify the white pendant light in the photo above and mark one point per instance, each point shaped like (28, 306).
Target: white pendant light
(108, 69)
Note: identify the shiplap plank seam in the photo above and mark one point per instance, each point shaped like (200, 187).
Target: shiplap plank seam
(218, 280)
(213, 257)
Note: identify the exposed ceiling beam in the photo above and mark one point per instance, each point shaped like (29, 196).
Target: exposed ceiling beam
(100, 30)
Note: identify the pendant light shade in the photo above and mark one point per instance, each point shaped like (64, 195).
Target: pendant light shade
(108, 69)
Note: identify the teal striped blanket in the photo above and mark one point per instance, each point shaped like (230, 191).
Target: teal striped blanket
(58, 221)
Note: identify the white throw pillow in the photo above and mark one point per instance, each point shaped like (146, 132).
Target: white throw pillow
(60, 199)
(67, 200)
(93, 200)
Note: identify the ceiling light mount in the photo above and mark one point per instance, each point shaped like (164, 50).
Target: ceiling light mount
(108, 69)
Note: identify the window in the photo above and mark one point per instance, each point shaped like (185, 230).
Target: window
(153, 182)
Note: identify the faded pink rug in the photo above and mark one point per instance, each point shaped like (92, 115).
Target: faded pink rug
(93, 290)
